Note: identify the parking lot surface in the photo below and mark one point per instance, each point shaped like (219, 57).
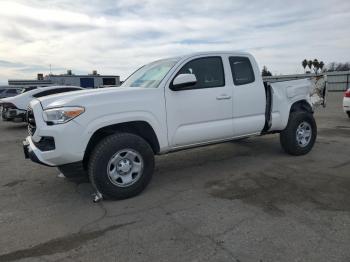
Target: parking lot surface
(238, 201)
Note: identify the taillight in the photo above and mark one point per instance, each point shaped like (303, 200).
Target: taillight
(347, 93)
(8, 105)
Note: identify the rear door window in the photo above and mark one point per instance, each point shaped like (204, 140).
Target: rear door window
(242, 70)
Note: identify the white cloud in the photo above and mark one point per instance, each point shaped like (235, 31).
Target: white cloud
(115, 37)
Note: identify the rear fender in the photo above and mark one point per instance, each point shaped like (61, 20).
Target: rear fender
(287, 97)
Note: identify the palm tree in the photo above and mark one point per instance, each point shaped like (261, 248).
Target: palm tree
(316, 65)
(304, 64)
(309, 64)
(321, 65)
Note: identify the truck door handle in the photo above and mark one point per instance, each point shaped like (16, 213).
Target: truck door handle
(223, 97)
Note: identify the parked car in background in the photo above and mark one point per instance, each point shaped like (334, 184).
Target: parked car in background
(112, 134)
(346, 102)
(10, 92)
(15, 108)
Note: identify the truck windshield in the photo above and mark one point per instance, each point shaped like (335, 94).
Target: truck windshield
(150, 75)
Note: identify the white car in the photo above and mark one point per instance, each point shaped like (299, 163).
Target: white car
(15, 108)
(168, 105)
(346, 102)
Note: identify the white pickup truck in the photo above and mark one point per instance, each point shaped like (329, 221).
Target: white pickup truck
(168, 105)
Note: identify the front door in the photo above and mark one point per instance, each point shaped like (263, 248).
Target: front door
(203, 112)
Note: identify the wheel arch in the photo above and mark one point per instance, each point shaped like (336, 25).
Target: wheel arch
(140, 128)
(298, 106)
(301, 105)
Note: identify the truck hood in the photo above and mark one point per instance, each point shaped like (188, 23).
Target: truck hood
(91, 96)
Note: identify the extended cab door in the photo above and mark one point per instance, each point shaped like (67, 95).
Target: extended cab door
(203, 112)
(249, 100)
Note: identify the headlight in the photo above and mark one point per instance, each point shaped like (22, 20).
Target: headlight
(62, 115)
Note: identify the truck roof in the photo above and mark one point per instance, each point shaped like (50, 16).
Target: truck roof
(216, 53)
(238, 53)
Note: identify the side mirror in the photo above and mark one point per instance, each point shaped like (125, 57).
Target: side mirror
(182, 81)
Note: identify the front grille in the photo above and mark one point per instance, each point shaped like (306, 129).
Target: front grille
(31, 121)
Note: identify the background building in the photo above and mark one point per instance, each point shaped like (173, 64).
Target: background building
(93, 80)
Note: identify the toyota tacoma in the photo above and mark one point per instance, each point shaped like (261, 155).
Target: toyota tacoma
(112, 135)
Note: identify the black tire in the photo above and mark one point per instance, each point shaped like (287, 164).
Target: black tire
(74, 170)
(348, 113)
(288, 136)
(101, 156)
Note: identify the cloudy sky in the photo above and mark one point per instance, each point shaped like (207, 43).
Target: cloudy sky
(117, 36)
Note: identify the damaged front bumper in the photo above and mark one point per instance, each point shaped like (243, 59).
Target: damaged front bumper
(9, 114)
(31, 152)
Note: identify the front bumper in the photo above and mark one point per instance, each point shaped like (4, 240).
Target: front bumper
(29, 153)
(13, 113)
(54, 145)
(54, 156)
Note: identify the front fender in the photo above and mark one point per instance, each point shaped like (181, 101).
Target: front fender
(124, 117)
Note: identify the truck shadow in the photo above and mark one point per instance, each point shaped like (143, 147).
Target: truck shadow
(236, 151)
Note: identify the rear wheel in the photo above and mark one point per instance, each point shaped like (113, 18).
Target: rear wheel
(121, 166)
(299, 136)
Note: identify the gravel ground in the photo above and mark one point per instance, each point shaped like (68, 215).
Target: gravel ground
(238, 201)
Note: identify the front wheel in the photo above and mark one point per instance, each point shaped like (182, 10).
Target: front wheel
(299, 136)
(121, 166)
